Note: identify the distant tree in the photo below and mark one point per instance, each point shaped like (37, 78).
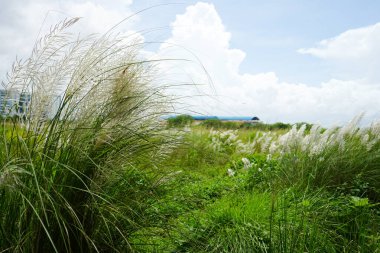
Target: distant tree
(212, 123)
(180, 121)
(279, 126)
(308, 126)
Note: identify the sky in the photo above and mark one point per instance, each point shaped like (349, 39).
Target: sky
(290, 61)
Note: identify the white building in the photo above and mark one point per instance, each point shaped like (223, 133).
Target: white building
(13, 102)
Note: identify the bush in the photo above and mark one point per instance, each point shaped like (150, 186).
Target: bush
(266, 127)
(212, 123)
(279, 126)
(180, 121)
(261, 171)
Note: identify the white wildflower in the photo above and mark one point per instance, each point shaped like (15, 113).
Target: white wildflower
(305, 143)
(370, 144)
(316, 149)
(225, 140)
(375, 129)
(315, 132)
(273, 148)
(365, 138)
(266, 143)
(330, 136)
(301, 131)
(352, 126)
(245, 148)
(230, 172)
(247, 164)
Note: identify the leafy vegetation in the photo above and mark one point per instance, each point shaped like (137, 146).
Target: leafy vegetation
(219, 124)
(180, 121)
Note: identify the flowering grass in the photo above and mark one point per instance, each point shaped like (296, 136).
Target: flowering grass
(89, 167)
(244, 191)
(90, 126)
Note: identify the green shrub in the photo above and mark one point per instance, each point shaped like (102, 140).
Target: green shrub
(260, 169)
(180, 121)
(279, 126)
(307, 126)
(212, 123)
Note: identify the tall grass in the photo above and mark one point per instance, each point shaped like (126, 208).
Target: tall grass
(344, 159)
(306, 190)
(93, 114)
(73, 166)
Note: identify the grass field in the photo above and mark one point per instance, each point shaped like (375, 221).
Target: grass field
(104, 174)
(235, 191)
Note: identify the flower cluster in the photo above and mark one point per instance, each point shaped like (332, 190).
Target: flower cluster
(224, 140)
(317, 140)
(246, 163)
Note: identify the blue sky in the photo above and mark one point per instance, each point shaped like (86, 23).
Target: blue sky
(283, 60)
(271, 31)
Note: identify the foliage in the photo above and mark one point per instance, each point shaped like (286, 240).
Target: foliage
(254, 203)
(212, 123)
(231, 125)
(261, 171)
(180, 121)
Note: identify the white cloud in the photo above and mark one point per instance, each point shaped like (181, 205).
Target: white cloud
(21, 20)
(355, 51)
(350, 45)
(199, 35)
(200, 30)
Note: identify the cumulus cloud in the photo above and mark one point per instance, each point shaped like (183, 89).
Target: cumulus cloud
(356, 51)
(201, 31)
(350, 45)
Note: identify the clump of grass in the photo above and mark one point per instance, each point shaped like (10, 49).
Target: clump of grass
(286, 221)
(235, 223)
(341, 158)
(93, 114)
(255, 222)
(308, 190)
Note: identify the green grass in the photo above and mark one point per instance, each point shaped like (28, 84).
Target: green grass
(257, 209)
(180, 121)
(104, 175)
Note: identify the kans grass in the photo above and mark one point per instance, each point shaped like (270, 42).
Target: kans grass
(93, 118)
(96, 171)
